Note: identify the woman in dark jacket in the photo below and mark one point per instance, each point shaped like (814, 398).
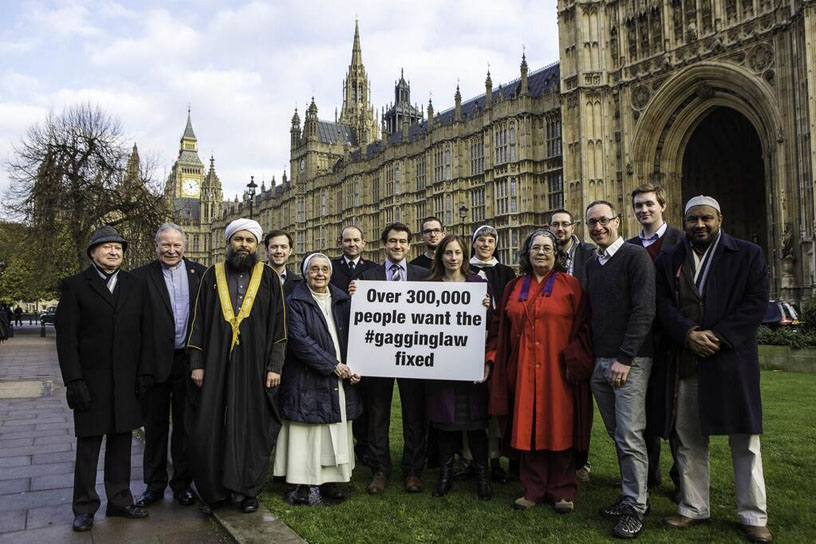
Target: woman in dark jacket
(317, 399)
(456, 406)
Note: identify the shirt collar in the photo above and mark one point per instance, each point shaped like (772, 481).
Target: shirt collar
(178, 265)
(609, 252)
(657, 235)
(389, 263)
(355, 261)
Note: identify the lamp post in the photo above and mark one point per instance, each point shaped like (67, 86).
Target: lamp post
(251, 186)
(462, 215)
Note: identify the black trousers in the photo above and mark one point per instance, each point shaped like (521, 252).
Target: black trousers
(359, 426)
(117, 472)
(414, 424)
(161, 398)
(653, 452)
(450, 442)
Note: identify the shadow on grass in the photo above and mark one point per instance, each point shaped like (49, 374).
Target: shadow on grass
(788, 445)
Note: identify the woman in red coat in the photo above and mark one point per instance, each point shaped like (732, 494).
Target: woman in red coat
(540, 348)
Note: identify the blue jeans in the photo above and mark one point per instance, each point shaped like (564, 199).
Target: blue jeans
(623, 410)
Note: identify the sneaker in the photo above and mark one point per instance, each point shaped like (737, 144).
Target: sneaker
(583, 473)
(563, 506)
(523, 504)
(617, 509)
(630, 524)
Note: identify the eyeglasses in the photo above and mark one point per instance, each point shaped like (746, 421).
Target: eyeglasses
(432, 231)
(542, 249)
(604, 221)
(562, 224)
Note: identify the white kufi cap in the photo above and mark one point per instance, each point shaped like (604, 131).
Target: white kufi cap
(702, 200)
(244, 224)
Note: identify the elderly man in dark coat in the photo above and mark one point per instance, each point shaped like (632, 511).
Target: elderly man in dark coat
(99, 325)
(712, 291)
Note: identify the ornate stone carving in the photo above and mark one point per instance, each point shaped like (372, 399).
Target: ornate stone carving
(704, 90)
(788, 253)
(640, 97)
(761, 57)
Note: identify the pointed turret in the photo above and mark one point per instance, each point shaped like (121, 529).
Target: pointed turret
(457, 98)
(356, 50)
(524, 91)
(357, 111)
(430, 115)
(488, 91)
(295, 130)
(188, 130)
(133, 165)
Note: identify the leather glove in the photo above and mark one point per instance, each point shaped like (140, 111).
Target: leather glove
(144, 383)
(77, 395)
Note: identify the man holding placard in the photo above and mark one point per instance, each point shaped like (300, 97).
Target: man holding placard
(396, 239)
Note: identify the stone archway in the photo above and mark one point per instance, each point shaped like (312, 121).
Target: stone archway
(674, 120)
(723, 157)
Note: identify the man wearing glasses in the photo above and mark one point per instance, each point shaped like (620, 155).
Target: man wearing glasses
(620, 282)
(578, 252)
(432, 234)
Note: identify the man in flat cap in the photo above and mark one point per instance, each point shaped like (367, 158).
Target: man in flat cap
(171, 284)
(237, 346)
(712, 292)
(99, 325)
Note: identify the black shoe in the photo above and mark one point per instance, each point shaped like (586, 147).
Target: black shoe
(446, 477)
(83, 522)
(617, 509)
(129, 512)
(148, 498)
(630, 523)
(483, 488)
(331, 492)
(497, 473)
(249, 505)
(184, 498)
(300, 495)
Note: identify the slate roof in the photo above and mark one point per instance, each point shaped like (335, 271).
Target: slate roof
(329, 132)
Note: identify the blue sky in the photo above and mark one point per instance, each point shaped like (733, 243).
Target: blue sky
(243, 66)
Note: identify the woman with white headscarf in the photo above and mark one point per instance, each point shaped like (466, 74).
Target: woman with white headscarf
(483, 261)
(318, 400)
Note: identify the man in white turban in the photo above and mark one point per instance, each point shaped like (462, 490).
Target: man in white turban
(237, 345)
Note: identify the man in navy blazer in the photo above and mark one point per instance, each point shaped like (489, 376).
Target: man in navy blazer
(649, 203)
(350, 265)
(396, 239)
(171, 287)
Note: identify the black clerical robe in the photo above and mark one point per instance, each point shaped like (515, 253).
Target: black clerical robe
(233, 418)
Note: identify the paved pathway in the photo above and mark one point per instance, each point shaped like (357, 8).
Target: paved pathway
(37, 461)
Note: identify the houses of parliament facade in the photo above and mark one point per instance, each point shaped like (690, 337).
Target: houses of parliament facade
(699, 96)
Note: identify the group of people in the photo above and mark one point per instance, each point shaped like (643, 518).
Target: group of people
(249, 356)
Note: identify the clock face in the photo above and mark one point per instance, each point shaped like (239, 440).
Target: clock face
(302, 164)
(190, 187)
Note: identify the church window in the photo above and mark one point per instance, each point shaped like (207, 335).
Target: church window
(477, 204)
(301, 210)
(500, 144)
(513, 196)
(420, 172)
(420, 212)
(375, 186)
(301, 242)
(447, 163)
(439, 165)
(448, 210)
(555, 182)
(512, 144)
(323, 204)
(397, 214)
(357, 191)
(397, 189)
(477, 157)
(438, 201)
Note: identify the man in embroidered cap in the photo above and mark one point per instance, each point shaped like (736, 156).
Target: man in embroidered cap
(100, 344)
(237, 346)
(712, 292)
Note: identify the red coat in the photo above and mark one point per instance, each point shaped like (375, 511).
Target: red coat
(574, 365)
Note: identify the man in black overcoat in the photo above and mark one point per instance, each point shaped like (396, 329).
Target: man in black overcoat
(649, 203)
(396, 239)
(712, 292)
(171, 283)
(101, 349)
(237, 347)
(346, 268)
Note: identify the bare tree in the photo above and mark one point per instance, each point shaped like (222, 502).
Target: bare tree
(72, 173)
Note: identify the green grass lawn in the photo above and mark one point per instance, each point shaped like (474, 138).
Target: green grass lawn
(788, 442)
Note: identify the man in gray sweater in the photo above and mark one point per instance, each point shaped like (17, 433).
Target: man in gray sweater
(620, 282)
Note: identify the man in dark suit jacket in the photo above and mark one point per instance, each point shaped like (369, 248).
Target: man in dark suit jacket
(350, 265)
(578, 253)
(100, 321)
(278, 244)
(649, 203)
(397, 241)
(171, 286)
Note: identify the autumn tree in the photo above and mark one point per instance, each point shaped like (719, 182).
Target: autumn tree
(73, 173)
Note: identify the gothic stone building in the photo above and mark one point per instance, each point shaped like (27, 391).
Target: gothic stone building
(700, 96)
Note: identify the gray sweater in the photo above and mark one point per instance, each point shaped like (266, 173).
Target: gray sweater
(622, 297)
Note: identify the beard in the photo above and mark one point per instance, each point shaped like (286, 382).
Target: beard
(241, 263)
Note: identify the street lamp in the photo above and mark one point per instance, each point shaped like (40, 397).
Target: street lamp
(462, 215)
(251, 186)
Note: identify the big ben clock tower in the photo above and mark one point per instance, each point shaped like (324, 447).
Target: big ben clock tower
(188, 171)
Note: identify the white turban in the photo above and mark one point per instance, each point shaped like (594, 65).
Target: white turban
(702, 200)
(309, 258)
(244, 224)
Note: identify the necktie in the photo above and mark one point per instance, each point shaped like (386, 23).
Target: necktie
(396, 272)
(351, 266)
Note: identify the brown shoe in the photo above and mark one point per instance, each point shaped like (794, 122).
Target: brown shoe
(679, 521)
(755, 533)
(377, 484)
(413, 484)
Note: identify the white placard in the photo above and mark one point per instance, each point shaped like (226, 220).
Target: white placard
(413, 329)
